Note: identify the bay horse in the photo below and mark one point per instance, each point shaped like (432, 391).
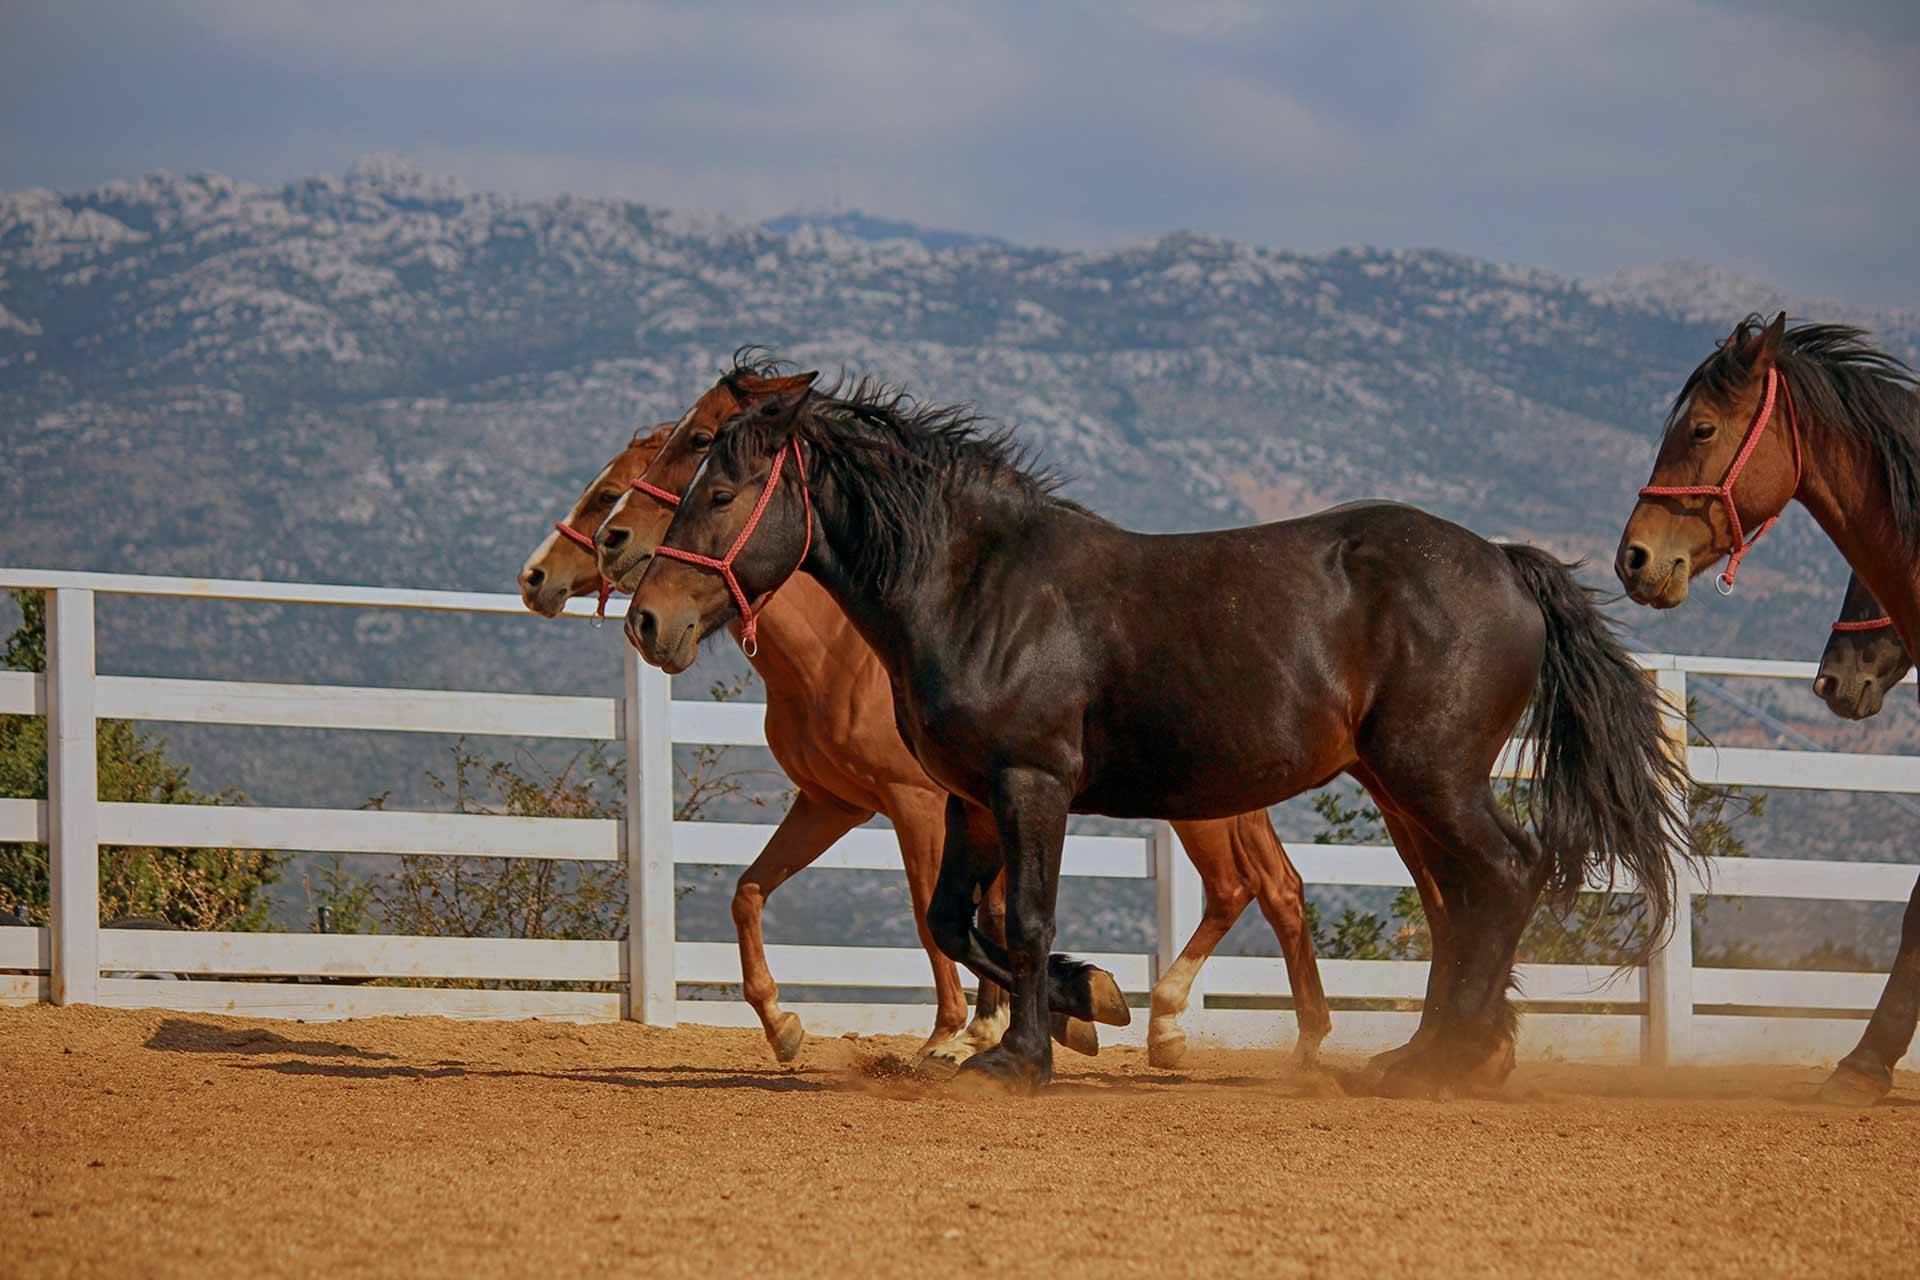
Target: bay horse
(1044, 661)
(830, 726)
(1863, 658)
(1817, 414)
(1239, 860)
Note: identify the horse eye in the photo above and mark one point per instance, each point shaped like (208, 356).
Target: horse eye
(722, 498)
(606, 497)
(1703, 432)
(701, 442)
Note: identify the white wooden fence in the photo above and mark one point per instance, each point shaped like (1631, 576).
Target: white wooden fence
(1668, 1011)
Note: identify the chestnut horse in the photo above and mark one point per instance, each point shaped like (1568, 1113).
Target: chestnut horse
(1817, 414)
(1044, 661)
(1239, 860)
(830, 726)
(1863, 658)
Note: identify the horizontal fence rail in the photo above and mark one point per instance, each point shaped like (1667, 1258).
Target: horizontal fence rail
(1665, 1011)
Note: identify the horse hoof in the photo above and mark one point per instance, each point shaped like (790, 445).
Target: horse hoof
(1104, 1001)
(999, 1071)
(1850, 1087)
(1076, 1034)
(1306, 1053)
(1493, 1069)
(1166, 1051)
(1407, 1079)
(786, 1037)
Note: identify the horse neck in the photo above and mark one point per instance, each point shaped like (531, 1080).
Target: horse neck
(802, 632)
(1845, 490)
(892, 623)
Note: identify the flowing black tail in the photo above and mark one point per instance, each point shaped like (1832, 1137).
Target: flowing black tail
(1606, 792)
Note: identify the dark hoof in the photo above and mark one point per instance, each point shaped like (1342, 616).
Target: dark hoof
(1076, 1034)
(1854, 1085)
(1092, 994)
(999, 1070)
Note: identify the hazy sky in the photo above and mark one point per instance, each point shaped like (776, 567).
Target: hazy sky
(1775, 137)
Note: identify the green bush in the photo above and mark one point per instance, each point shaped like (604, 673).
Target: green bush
(191, 888)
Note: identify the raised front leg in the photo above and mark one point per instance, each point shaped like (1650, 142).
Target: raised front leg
(811, 826)
(1030, 816)
(1866, 1075)
(967, 868)
(919, 820)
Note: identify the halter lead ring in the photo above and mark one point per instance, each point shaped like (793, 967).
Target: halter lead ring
(749, 644)
(1776, 386)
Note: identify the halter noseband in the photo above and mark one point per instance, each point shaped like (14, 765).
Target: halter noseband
(1867, 624)
(1724, 490)
(585, 543)
(724, 565)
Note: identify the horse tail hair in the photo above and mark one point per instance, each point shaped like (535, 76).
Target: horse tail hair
(1606, 791)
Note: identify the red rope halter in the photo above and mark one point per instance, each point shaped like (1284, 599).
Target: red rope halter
(1724, 490)
(585, 543)
(1869, 624)
(724, 565)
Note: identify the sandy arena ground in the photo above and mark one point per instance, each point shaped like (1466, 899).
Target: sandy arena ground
(150, 1143)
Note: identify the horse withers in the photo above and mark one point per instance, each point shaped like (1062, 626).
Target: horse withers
(1045, 661)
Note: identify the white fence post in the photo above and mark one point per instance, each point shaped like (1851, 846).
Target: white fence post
(73, 798)
(651, 990)
(1670, 969)
(1179, 902)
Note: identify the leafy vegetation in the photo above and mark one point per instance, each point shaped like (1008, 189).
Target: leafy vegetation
(474, 897)
(191, 888)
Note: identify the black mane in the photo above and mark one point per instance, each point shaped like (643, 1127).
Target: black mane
(1836, 376)
(898, 461)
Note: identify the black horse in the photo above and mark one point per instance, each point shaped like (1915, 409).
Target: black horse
(1045, 662)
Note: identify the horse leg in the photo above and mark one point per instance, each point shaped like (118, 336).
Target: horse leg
(809, 830)
(1489, 874)
(1030, 816)
(1209, 847)
(1866, 1075)
(919, 820)
(1412, 845)
(971, 859)
(1283, 900)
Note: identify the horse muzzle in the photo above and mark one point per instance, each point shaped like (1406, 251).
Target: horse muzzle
(1650, 578)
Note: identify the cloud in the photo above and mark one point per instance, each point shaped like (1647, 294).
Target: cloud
(1754, 133)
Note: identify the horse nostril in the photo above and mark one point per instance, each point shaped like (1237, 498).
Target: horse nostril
(649, 628)
(1824, 686)
(1635, 558)
(614, 539)
(532, 579)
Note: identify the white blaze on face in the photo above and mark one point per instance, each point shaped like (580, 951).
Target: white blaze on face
(621, 505)
(552, 541)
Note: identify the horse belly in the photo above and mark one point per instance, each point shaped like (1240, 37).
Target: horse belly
(1194, 767)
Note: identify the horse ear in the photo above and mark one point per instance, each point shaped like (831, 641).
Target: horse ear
(1770, 340)
(782, 404)
(775, 386)
(1757, 349)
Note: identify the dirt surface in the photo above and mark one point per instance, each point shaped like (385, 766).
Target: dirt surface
(143, 1143)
